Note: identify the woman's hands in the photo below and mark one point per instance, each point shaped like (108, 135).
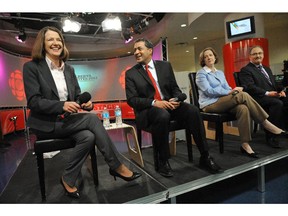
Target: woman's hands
(236, 90)
(73, 107)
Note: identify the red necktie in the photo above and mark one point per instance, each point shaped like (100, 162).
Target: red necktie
(157, 95)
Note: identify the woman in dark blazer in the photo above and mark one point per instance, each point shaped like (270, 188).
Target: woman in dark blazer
(52, 89)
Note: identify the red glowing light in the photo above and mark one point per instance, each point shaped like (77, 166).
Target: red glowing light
(16, 85)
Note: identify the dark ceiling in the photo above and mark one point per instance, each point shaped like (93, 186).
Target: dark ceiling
(96, 43)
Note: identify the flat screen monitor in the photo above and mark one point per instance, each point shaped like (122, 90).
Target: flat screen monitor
(240, 27)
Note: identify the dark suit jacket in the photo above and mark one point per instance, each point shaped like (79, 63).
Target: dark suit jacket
(42, 95)
(285, 80)
(140, 91)
(254, 82)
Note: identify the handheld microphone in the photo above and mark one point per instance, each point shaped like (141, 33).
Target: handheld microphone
(83, 98)
(180, 98)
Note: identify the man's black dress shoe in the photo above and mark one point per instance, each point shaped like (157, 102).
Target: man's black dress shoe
(253, 155)
(134, 176)
(165, 169)
(74, 194)
(209, 164)
(273, 142)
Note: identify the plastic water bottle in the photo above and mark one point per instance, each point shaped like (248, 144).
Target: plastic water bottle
(118, 115)
(106, 118)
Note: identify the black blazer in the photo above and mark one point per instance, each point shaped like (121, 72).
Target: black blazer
(254, 82)
(140, 91)
(42, 95)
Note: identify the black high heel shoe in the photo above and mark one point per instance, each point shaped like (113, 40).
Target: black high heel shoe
(131, 178)
(283, 134)
(74, 194)
(253, 155)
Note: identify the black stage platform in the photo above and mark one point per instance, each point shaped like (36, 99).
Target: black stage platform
(151, 187)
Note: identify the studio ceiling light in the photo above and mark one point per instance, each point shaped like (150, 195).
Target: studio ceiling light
(21, 37)
(126, 34)
(70, 25)
(138, 28)
(111, 23)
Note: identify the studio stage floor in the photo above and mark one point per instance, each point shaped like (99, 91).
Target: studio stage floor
(23, 187)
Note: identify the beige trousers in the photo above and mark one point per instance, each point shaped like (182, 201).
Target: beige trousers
(244, 107)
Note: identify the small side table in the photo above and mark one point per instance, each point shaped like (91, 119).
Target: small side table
(134, 151)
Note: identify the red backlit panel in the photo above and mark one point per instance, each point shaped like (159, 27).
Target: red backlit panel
(127, 111)
(9, 125)
(236, 56)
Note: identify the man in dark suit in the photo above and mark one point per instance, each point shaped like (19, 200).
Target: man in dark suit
(259, 82)
(52, 89)
(154, 107)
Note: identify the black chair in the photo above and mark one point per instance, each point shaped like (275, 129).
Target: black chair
(237, 82)
(174, 126)
(217, 118)
(48, 145)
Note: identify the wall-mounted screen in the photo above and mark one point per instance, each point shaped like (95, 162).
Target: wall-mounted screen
(240, 27)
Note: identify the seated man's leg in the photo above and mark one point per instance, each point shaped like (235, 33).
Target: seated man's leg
(191, 118)
(285, 112)
(159, 120)
(273, 107)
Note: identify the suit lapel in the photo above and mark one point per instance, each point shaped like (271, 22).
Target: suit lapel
(143, 72)
(260, 74)
(46, 73)
(157, 69)
(68, 79)
(269, 72)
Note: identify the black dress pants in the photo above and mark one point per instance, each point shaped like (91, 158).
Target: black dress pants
(187, 115)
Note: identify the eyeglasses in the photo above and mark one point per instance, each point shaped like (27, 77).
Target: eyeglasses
(255, 54)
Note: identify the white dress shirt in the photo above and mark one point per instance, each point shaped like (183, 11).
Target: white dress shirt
(59, 79)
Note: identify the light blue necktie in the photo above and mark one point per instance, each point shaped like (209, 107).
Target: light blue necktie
(260, 67)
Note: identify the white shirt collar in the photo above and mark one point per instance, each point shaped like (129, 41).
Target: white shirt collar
(207, 69)
(52, 66)
(257, 65)
(150, 64)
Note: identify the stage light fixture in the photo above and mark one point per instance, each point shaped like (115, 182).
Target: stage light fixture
(21, 37)
(111, 23)
(137, 29)
(70, 25)
(126, 34)
(14, 118)
(128, 40)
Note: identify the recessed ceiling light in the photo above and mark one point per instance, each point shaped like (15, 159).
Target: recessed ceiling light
(183, 25)
(195, 38)
(182, 44)
(187, 51)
